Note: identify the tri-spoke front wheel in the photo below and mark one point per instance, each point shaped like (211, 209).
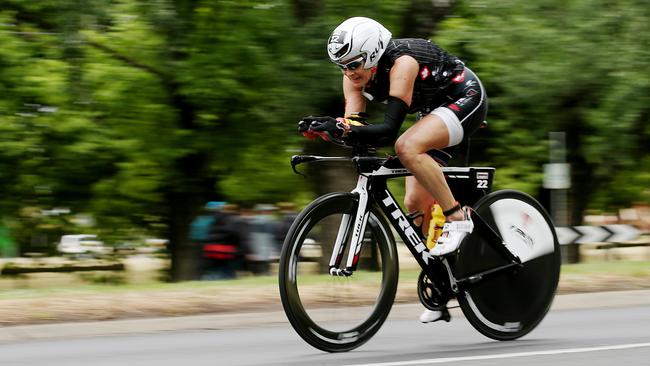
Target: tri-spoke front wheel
(334, 313)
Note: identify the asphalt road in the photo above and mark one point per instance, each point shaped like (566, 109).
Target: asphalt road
(594, 330)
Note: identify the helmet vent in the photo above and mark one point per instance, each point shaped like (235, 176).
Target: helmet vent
(343, 51)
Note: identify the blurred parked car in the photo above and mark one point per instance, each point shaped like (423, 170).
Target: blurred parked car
(82, 244)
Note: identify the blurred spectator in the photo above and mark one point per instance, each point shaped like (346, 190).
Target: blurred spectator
(263, 246)
(223, 254)
(201, 227)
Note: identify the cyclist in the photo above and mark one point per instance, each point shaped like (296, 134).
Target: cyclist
(410, 76)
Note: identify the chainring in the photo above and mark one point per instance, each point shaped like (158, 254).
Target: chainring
(430, 295)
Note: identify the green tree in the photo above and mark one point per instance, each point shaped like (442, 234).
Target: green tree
(139, 112)
(578, 66)
(165, 105)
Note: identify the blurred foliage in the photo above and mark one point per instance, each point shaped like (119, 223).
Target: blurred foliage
(579, 66)
(138, 112)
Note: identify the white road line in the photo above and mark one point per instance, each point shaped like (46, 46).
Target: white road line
(506, 355)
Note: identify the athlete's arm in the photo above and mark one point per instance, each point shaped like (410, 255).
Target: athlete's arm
(402, 80)
(355, 102)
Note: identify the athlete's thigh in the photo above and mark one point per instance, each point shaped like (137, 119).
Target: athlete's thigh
(430, 132)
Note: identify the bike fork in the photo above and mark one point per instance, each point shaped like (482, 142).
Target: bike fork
(358, 228)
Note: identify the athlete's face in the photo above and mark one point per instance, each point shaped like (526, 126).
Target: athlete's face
(353, 70)
(359, 76)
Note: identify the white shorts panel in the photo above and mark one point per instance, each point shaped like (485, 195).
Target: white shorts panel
(452, 122)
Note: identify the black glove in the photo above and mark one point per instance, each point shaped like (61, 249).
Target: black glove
(303, 125)
(303, 128)
(327, 128)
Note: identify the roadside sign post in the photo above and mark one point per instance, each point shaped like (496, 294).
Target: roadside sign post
(557, 178)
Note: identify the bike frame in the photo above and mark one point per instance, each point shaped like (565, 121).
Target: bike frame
(372, 187)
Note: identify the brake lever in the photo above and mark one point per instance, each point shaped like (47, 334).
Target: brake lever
(299, 159)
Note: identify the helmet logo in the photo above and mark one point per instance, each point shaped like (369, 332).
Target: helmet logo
(380, 45)
(338, 37)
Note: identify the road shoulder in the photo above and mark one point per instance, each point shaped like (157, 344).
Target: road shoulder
(272, 318)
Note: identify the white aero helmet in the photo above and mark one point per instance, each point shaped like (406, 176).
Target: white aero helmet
(358, 37)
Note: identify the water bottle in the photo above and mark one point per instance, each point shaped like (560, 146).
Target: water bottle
(435, 226)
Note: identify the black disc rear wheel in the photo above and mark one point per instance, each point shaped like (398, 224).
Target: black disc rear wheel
(512, 303)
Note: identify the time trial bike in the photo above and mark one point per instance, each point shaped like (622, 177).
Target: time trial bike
(338, 269)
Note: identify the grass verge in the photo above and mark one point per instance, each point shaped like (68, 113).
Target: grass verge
(114, 301)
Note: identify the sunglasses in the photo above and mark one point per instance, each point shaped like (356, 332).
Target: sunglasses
(352, 65)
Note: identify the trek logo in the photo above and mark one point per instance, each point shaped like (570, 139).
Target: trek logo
(385, 171)
(412, 237)
(357, 233)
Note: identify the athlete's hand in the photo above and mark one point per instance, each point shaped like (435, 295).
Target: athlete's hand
(303, 128)
(327, 128)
